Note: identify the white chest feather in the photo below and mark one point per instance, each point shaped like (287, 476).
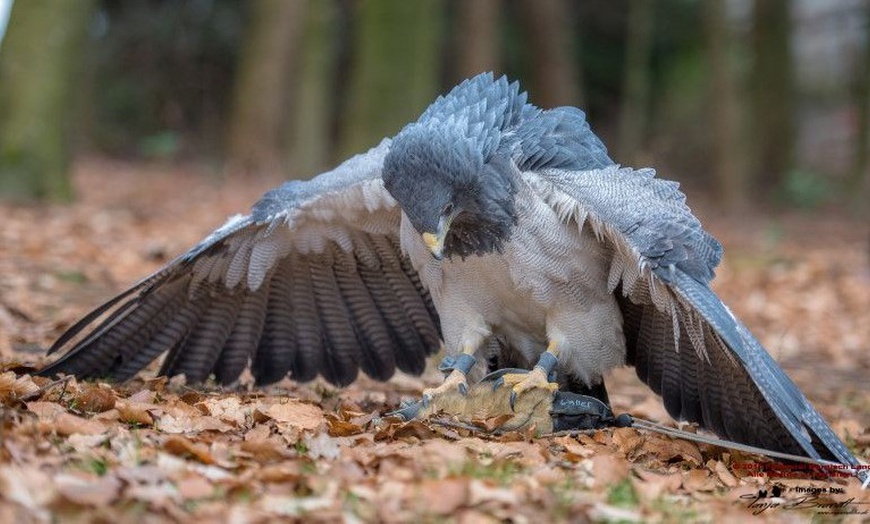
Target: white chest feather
(549, 283)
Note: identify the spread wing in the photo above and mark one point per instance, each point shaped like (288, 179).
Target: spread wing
(683, 341)
(312, 282)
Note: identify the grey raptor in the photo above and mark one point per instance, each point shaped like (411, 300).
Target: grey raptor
(504, 232)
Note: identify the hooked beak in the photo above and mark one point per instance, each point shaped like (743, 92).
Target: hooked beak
(435, 241)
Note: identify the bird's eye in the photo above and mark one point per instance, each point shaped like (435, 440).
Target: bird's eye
(448, 209)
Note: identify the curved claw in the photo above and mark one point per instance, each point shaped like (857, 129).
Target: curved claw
(456, 379)
(497, 377)
(526, 381)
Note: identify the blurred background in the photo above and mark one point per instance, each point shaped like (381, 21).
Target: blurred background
(746, 101)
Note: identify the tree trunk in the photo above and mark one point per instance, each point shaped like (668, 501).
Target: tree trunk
(859, 181)
(40, 60)
(477, 38)
(258, 120)
(636, 81)
(555, 66)
(773, 107)
(395, 68)
(310, 136)
(728, 164)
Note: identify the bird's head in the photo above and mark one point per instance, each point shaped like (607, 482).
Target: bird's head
(460, 202)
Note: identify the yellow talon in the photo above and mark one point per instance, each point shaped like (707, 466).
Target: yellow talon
(523, 382)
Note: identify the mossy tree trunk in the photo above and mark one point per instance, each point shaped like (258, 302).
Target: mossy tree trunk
(258, 122)
(555, 69)
(477, 38)
(311, 122)
(728, 162)
(773, 101)
(859, 181)
(634, 114)
(396, 66)
(40, 59)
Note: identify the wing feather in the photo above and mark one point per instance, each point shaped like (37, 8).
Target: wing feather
(683, 341)
(244, 338)
(314, 281)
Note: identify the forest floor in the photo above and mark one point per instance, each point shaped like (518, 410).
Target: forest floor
(151, 450)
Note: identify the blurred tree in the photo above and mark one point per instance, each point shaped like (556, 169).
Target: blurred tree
(395, 68)
(163, 76)
(310, 133)
(477, 38)
(39, 61)
(772, 91)
(555, 68)
(258, 119)
(636, 84)
(860, 177)
(724, 109)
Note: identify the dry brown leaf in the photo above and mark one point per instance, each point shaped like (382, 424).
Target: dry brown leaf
(13, 387)
(284, 473)
(627, 440)
(134, 412)
(321, 445)
(443, 496)
(397, 429)
(698, 480)
(340, 427)
(28, 487)
(143, 396)
(183, 447)
(265, 450)
(88, 490)
(294, 414)
(722, 472)
(187, 424)
(194, 487)
(651, 486)
(572, 446)
(68, 424)
(45, 410)
(492, 423)
(608, 469)
(92, 398)
(672, 450)
(228, 409)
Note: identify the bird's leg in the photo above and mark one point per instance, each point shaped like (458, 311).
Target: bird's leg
(458, 367)
(541, 376)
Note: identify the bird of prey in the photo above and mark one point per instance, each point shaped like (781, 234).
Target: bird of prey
(501, 230)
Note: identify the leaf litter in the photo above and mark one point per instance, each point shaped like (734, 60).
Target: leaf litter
(158, 450)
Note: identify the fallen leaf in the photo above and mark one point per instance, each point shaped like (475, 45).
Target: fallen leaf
(651, 486)
(194, 487)
(183, 447)
(322, 445)
(88, 490)
(92, 398)
(187, 424)
(227, 409)
(294, 414)
(722, 472)
(134, 413)
(339, 427)
(608, 469)
(265, 450)
(13, 387)
(627, 440)
(698, 480)
(442, 496)
(66, 424)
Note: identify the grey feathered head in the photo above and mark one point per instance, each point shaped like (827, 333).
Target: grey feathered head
(460, 201)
